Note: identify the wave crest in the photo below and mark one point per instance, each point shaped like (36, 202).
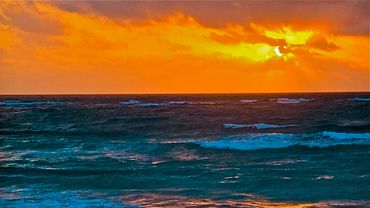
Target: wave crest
(280, 140)
(234, 126)
(29, 103)
(257, 126)
(361, 99)
(129, 102)
(292, 100)
(248, 101)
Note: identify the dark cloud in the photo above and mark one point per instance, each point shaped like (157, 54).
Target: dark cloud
(29, 20)
(346, 17)
(319, 41)
(34, 23)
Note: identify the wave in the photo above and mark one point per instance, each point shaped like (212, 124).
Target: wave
(129, 102)
(344, 136)
(178, 102)
(257, 126)
(248, 101)
(234, 126)
(152, 104)
(279, 140)
(165, 103)
(191, 103)
(29, 103)
(361, 99)
(140, 104)
(354, 124)
(249, 200)
(33, 197)
(270, 126)
(291, 100)
(203, 103)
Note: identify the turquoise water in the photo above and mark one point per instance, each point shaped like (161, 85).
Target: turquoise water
(244, 150)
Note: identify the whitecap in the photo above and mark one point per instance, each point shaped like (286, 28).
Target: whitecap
(234, 126)
(248, 101)
(361, 99)
(140, 104)
(279, 140)
(344, 136)
(270, 126)
(29, 103)
(325, 177)
(251, 142)
(257, 126)
(292, 100)
(130, 102)
(53, 103)
(19, 102)
(178, 102)
(151, 104)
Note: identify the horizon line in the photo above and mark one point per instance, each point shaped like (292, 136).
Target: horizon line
(187, 93)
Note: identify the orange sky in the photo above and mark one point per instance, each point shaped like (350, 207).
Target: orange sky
(183, 47)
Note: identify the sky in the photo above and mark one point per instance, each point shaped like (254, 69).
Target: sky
(113, 47)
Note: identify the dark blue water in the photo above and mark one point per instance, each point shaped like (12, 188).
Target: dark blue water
(251, 150)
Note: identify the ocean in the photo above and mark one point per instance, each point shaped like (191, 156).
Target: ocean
(211, 150)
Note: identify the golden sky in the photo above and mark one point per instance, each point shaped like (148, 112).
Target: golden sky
(183, 47)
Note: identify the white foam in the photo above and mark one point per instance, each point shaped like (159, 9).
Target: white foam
(138, 103)
(269, 126)
(29, 103)
(325, 177)
(361, 99)
(257, 126)
(178, 102)
(130, 102)
(191, 103)
(291, 100)
(248, 101)
(151, 104)
(251, 142)
(279, 140)
(234, 126)
(343, 136)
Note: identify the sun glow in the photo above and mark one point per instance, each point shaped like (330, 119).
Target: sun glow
(277, 51)
(289, 35)
(163, 53)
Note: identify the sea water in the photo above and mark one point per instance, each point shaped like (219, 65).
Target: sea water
(225, 150)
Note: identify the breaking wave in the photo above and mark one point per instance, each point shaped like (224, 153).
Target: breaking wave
(151, 104)
(280, 140)
(234, 126)
(291, 100)
(257, 126)
(164, 103)
(29, 103)
(248, 101)
(130, 102)
(361, 99)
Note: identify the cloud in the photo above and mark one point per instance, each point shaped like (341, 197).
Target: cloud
(234, 34)
(344, 17)
(320, 42)
(9, 37)
(62, 47)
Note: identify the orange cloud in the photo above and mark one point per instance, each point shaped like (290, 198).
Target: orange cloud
(73, 52)
(320, 42)
(9, 37)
